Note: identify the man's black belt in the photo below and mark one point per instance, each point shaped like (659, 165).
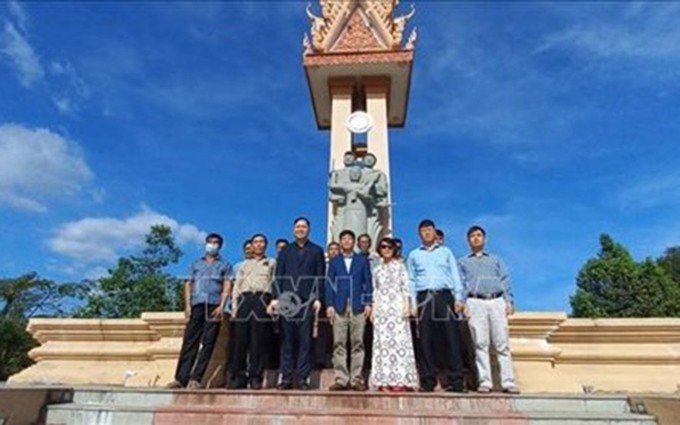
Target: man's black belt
(488, 296)
(435, 291)
(250, 293)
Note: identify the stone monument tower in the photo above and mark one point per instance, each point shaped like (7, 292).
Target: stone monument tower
(358, 63)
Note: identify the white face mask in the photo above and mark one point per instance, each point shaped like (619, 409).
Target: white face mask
(212, 248)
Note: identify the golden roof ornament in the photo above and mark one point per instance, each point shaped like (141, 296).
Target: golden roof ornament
(318, 27)
(357, 25)
(411, 42)
(398, 26)
(307, 45)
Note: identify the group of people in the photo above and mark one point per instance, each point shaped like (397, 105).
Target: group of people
(413, 310)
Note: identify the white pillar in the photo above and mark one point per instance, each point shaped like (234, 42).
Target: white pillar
(341, 139)
(377, 94)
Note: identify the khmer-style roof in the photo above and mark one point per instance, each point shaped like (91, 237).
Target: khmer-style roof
(359, 39)
(357, 26)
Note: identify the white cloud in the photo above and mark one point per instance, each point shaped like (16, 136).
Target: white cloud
(36, 165)
(96, 240)
(71, 78)
(63, 83)
(17, 50)
(644, 35)
(70, 87)
(18, 13)
(98, 195)
(505, 98)
(63, 105)
(657, 190)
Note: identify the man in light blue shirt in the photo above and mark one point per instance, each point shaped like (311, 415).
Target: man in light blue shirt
(439, 293)
(490, 301)
(434, 268)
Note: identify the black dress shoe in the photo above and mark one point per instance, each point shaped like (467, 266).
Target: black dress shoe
(255, 385)
(237, 385)
(454, 389)
(337, 387)
(359, 386)
(284, 386)
(304, 386)
(426, 389)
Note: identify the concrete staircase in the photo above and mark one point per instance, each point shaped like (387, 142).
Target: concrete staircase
(117, 406)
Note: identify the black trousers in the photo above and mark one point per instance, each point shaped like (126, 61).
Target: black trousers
(439, 331)
(199, 339)
(296, 346)
(368, 349)
(322, 346)
(249, 339)
(415, 339)
(273, 342)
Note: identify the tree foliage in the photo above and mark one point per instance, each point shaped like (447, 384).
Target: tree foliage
(15, 343)
(30, 295)
(138, 283)
(21, 298)
(670, 261)
(614, 285)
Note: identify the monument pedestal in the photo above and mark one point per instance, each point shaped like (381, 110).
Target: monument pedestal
(551, 352)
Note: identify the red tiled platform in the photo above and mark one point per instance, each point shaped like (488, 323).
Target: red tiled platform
(180, 415)
(125, 406)
(269, 399)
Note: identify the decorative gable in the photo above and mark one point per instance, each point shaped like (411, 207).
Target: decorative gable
(357, 35)
(355, 26)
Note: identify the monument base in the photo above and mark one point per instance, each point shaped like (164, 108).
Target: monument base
(552, 353)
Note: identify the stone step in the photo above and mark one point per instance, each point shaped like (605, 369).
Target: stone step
(25, 404)
(266, 399)
(102, 414)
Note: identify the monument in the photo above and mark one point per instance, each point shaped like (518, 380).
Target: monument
(358, 68)
(359, 195)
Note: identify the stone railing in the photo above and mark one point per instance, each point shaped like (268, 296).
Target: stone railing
(551, 352)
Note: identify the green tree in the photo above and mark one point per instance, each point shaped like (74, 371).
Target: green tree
(138, 283)
(613, 285)
(29, 295)
(670, 261)
(21, 298)
(15, 343)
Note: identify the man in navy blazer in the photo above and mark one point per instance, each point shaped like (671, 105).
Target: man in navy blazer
(348, 293)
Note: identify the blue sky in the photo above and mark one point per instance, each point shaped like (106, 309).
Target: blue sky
(547, 123)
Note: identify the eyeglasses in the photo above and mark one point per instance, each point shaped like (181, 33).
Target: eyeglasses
(387, 247)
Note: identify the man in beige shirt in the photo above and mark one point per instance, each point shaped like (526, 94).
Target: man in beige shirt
(251, 294)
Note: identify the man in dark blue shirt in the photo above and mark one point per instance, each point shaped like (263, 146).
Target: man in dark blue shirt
(300, 270)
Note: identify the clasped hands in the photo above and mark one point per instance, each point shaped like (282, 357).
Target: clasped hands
(274, 305)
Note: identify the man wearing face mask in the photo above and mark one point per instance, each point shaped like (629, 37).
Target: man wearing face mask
(205, 294)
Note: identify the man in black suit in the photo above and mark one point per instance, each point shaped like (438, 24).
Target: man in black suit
(300, 270)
